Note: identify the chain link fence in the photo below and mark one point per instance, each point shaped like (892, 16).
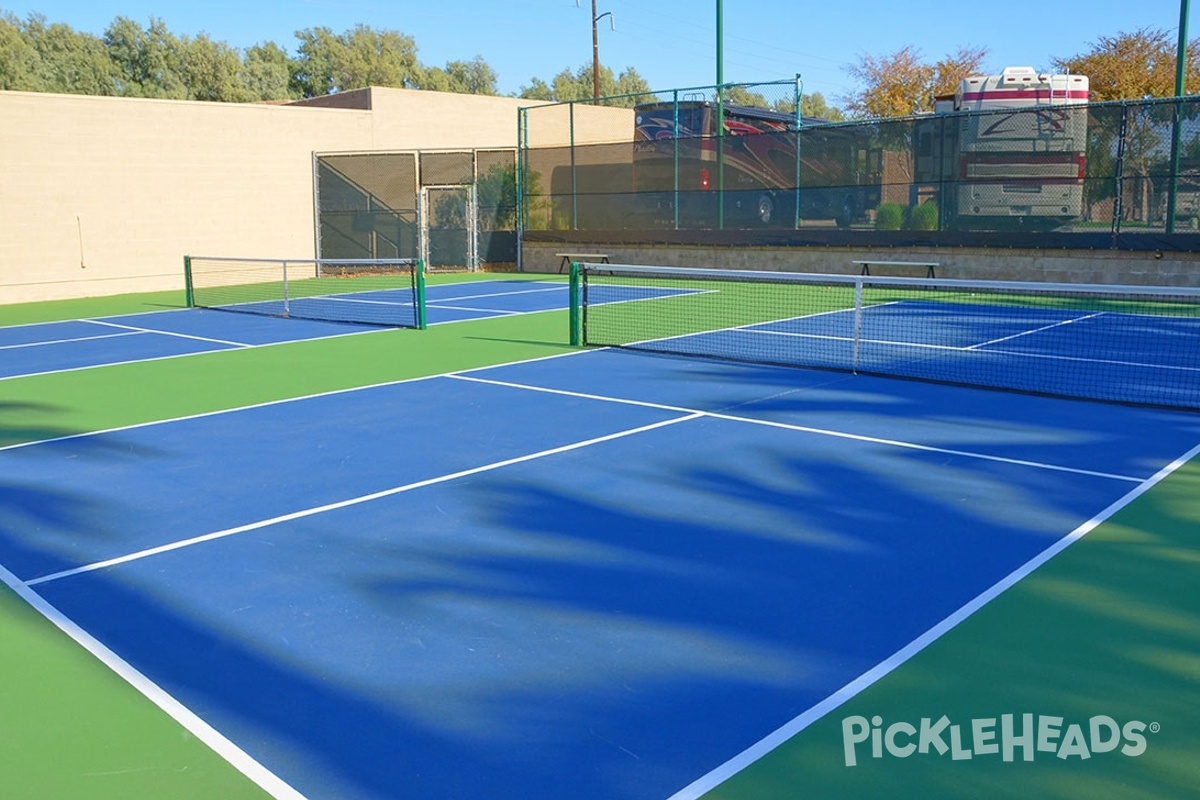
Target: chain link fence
(663, 162)
(453, 209)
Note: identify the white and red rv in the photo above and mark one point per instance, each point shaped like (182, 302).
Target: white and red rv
(1013, 153)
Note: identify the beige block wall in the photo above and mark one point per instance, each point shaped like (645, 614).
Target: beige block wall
(558, 125)
(1010, 264)
(106, 195)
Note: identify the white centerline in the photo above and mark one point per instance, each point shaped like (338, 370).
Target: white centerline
(807, 429)
(558, 287)
(45, 342)
(495, 311)
(136, 329)
(354, 501)
(1032, 331)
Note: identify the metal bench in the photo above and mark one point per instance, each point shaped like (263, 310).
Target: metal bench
(928, 266)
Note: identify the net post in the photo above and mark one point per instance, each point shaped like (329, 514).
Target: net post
(858, 312)
(287, 308)
(575, 337)
(189, 288)
(419, 300)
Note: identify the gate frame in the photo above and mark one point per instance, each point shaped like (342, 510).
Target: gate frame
(471, 215)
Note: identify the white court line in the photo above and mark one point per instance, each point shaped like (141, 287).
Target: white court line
(176, 355)
(347, 298)
(191, 722)
(354, 501)
(474, 310)
(100, 320)
(72, 340)
(1116, 362)
(558, 287)
(848, 692)
(268, 403)
(1032, 331)
(136, 329)
(806, 429)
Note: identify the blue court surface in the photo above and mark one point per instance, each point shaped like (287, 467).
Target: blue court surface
(78, 344)
(596, 576)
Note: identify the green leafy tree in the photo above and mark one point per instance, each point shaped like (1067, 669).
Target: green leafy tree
(811, 105)
(465, 77)
(537, 89)
(815, 105)
(315, 66)
(266, 73)
(68, 61)
(148, 61)
(629, 82)
(19, 60)
(329, 63)
(377, 58)
(41, 57)
(741, 96)
(627, 89)
(212, 71)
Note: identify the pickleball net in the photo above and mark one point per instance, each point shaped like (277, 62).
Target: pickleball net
(1126, 344)
(367, 292)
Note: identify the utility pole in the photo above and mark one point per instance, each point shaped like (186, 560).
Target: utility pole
(612, 21)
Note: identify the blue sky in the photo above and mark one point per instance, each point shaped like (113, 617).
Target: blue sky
(671, 43)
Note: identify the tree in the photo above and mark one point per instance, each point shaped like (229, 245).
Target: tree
(329, 63)
(626, 90)
(314, 67)
(212, 71)
(147, 61)
(901, 84)
(466, 77)
(629, 82)
(19, 60)
(814, 105)
(266, 72)
(811, 105)
(952, 70)
(37, 56)
(741, 96)
(538, 89)
(1133, 66)
(377, 58)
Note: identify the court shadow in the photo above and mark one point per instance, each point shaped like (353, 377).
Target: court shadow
(1109, 628)
(12, 432)
(701, 598)
(46, 521)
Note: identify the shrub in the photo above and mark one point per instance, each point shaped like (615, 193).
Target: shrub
(924, 217)
(889, 217)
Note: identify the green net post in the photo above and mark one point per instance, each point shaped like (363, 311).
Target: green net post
(187, 282)
(420, 298)
(576, 333)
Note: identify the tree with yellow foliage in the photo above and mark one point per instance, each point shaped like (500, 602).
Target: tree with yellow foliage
(902, 83)
(1133, 66)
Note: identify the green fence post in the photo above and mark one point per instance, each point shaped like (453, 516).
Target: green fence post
(420, 298)
(576, 336)
(189, 292)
